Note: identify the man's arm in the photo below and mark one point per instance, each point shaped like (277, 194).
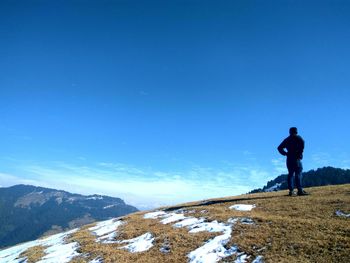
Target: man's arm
(281, 147)
(302, 145)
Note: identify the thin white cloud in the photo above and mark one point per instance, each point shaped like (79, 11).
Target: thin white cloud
(345, 164)
(8, 180)
(279, 165)
(321, 159)
(142, 187)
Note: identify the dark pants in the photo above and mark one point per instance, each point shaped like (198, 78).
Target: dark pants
(295, 168)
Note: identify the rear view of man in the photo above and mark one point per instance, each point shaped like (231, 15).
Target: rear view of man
(294, 145)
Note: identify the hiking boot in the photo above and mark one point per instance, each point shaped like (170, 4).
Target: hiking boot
(302, 193)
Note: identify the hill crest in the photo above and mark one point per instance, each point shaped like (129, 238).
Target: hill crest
(270, 227)
(27, 212)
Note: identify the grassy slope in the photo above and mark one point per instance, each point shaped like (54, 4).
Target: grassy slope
(287, 229)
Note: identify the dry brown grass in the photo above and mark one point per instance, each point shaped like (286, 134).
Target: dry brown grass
(33, 254)
(294, 229)
(181, 242)
(286, 229)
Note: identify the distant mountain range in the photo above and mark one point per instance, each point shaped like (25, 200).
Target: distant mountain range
(28, 212)
(320, 177)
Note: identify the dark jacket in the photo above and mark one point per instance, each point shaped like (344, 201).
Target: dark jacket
(294, 145)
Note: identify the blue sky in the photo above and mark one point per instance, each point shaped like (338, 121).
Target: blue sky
(161, 102)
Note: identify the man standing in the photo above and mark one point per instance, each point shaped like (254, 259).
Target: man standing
(295, 147)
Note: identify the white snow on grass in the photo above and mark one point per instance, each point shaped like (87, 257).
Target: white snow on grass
(106, 230)
(11, 254)
(60, 253)
(242, 207)
(155, 215)
(258, 259)
(214, 249)
(211, 252)
(213, 226)
(166, 217)
(139, 244)
(242, 258)
(107, 239)
(342, 214)
(188, 222)
(56, 249)
(242, 220)
(173, 217)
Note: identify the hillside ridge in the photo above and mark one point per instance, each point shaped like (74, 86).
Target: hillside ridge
(27, 212)
(262, 227)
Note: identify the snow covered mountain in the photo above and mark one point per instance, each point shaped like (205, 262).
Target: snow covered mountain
(264, 227)
(27, 212)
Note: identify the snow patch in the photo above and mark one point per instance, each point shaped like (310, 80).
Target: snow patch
(11, 254)
(246, 221)
(258, 259)
(342, 214)
(106, 230)
(57, 250)
(188, 222)
(214, 249)
(213, 226)
(94, 198)
(242, 207)
(60, 253)
(242, 258)
(173, 217)
(106, 233)
(139, 244)
(243, 220)
(155, 215)
(71, 199)
(275, 187)
(166, 217)
(108, 206)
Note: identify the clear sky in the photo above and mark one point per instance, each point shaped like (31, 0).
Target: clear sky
(161, 102)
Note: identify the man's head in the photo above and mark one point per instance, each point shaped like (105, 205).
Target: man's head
(293, 131)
